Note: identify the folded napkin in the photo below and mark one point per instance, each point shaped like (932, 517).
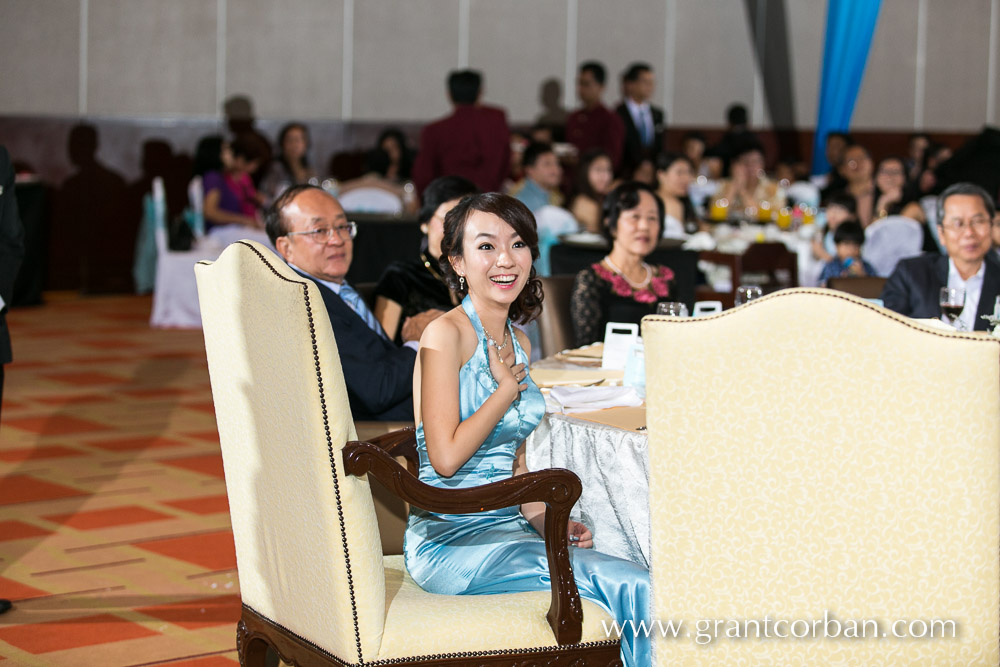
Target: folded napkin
(586, 399)
(700, 241)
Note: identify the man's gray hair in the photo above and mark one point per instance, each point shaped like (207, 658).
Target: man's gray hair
(965, 188)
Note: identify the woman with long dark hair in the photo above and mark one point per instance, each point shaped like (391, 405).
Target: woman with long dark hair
(474, 404)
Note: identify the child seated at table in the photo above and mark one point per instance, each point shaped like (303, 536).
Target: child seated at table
(840, 207)
(848, 238)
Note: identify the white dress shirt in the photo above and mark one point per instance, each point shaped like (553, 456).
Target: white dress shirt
(642, 116)
(973, 288)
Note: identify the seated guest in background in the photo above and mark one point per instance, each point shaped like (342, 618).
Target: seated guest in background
(393, 142)
(410, 292)
(539, 191)
(311, 232)
(595, 127)
(644, 172)
(622, 287)
(473, 142)
(703, 164)
(848, 238)
(644, 124)
(840, 207)
(737, 136)
(208, 155)
(965, 214)
(674, 174)
(292, 163)
(890, 178)
(748, 186)
(836, 145)
(918, 145)
(856, 170)
(594, 177)
(231, 200)
(542, 176)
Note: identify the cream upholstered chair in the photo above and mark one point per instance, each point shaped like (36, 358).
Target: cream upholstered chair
(313, 579)
(813, 453)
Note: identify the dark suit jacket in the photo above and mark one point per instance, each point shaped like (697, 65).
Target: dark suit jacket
(11, 247)
(473, 142)
(634, 151)
(914, 288)
(378, 374)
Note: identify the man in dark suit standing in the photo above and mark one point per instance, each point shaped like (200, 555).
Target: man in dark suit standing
(309, 229)
(11, 252)
(473, 142)
(644, 123)
(965, 215)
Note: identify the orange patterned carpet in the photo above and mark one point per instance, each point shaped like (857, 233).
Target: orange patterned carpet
(115, 541)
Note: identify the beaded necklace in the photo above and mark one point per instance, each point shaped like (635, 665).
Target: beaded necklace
(639, 285)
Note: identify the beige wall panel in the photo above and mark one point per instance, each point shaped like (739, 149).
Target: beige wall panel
(151, 57)
(714, 62)
(286, 55)
(887, 90)
(518, 45)
(806, 34)
(618, 33)
(39, 56)
(403, 52)
(958, 43)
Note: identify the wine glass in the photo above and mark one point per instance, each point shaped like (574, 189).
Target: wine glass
(746, 293)
(672, 308)
(952, 302)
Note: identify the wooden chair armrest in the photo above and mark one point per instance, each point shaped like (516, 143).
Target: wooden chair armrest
(400, 443)
(558, 489)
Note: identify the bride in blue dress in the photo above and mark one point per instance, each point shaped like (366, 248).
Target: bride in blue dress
(475, 403)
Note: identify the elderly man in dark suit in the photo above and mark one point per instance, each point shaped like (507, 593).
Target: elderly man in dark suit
(309, 229)
(473, 142)
(644, 123)
(965, 214)
(11, 252)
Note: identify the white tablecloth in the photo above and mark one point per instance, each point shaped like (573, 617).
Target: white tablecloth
(613, 465)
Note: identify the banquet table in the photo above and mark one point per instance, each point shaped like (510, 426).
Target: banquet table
(608, 453)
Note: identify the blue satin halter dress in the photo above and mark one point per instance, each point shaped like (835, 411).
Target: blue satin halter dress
(499, 551)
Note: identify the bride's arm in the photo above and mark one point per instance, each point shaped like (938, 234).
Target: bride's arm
(535, 512)
(450, 441)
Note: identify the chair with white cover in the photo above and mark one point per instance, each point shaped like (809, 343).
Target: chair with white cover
(848, 472)
(175, 294)
(371, 200)
(889, 240)
(314, 582)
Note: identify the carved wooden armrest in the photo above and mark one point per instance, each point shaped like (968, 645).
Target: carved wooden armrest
(400, 443)
(558, 489)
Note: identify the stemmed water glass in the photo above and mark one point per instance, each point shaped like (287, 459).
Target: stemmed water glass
(672, 308)
(746, 293)
(952, 302)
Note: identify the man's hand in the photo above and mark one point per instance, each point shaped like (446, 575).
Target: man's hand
(413, 327)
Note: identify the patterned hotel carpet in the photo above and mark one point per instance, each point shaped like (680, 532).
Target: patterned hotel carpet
(115, 540)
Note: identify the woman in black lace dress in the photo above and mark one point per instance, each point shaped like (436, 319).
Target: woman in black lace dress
(622, 287)
(415, 288)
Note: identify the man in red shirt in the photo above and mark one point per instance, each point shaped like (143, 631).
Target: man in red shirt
(595, 126)
(473, 142)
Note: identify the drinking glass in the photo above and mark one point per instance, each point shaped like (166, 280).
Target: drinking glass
(672, 308)
(952, 302)
(746, 293)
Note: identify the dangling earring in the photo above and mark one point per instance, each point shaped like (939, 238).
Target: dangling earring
(461, 282)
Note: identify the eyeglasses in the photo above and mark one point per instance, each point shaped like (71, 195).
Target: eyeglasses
(323, 235)
(979, 224)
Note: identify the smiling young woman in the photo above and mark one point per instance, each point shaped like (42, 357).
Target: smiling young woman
(475, 403)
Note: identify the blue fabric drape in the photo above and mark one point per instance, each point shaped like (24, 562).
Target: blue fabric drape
(850, 25)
